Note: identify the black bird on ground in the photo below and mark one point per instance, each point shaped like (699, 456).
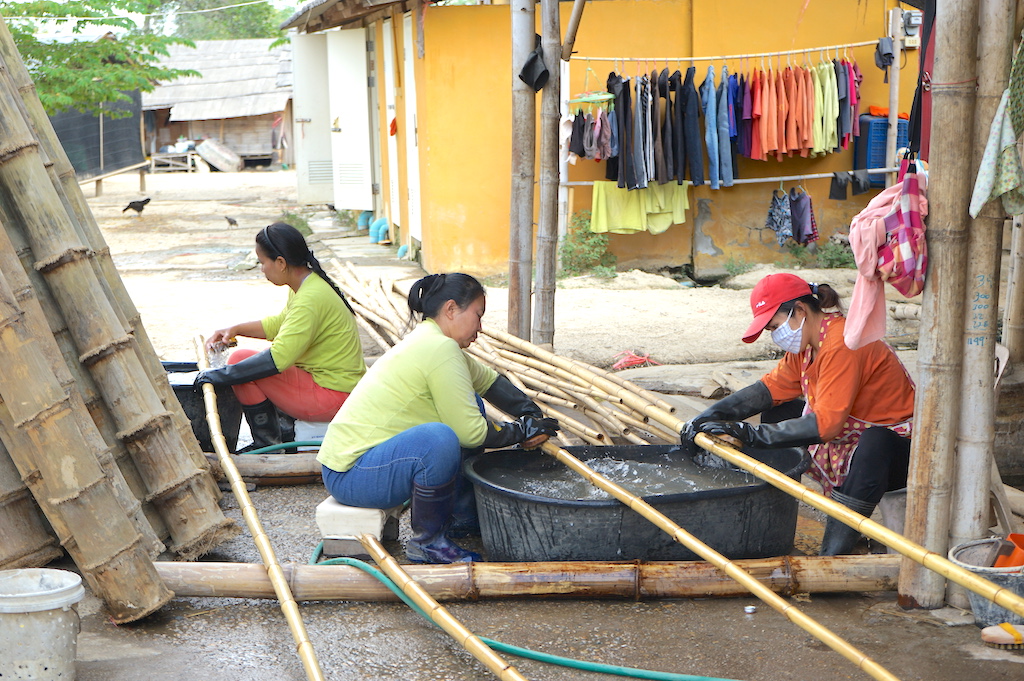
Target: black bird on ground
(231, 221)
(136, 206)
(330, 207)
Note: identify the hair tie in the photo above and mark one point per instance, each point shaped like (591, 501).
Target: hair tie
(814, 289)
(311, 262)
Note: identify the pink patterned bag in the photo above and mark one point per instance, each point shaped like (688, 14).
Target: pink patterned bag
(903, 258)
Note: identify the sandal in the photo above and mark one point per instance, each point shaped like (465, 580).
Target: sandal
(1004, 636)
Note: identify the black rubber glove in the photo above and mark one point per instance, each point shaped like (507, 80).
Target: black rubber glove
(792, 433)
(522, 429)
(742, 404)
(510, 399)
(260, 365)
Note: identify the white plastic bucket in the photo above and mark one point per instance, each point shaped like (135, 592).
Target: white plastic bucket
(969, 556)
(39, 623)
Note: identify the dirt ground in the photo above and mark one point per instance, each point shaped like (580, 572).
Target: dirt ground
(177, 262)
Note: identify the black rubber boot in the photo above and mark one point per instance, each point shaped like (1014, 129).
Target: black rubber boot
(465, 522)
(264, 425)
(430, 511)
(840, 538)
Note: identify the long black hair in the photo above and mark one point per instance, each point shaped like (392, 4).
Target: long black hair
(428, 295)
(281, 240)
(821, 297)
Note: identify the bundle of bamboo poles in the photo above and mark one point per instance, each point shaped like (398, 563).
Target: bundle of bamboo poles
(95, 451)
(593, 406)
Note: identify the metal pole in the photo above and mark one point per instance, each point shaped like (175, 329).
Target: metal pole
(524, 133)
(937, 407)
(976, 441)
(547, 223)
(896, 33)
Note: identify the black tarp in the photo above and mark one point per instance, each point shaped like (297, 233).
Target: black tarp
(79, 134)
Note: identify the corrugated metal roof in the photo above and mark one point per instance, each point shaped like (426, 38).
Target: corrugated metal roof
(238, 78)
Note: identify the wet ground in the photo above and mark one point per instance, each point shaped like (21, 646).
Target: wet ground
(167, 269)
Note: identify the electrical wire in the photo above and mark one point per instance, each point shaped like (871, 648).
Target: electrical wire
(500, 647)
(154, 14)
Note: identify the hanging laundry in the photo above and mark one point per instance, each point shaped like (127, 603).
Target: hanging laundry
(780, 217)
(805, 227)
(588, 136)
(603, 134)
(667, 131)
(837, 190)
(843, 123)
(652, 209)
(624, 171)
(579, 126)
(660, 170)
(710, 109)
(757, 129)
(817, 123)
(640, 129)
(1000, 174)
(725, 159)
(769, 114)
(613, 136)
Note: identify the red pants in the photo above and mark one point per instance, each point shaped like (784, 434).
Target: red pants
(293, 391)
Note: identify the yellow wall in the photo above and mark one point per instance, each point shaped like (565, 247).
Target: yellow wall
(464, 104)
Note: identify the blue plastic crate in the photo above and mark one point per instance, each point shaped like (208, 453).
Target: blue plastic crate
(869, 147)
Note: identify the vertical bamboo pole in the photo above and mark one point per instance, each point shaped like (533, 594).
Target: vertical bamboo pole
(62, 174)
(896, 33)
(976, 442)
(524, 134)
(180, 490)
(40, 430)
(1013, 315)
(937, 407)
(274, 571)
(547, 224)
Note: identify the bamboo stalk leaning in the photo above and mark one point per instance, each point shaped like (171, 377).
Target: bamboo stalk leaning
(438, 613)
(929, 559)
(177, 485)
(41, 431)
(791, 612)
(26, 539)
(284, 595)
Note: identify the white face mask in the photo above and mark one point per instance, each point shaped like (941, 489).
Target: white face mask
(787, 338)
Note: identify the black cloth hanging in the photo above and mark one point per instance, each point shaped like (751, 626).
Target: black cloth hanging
(660, 171)
(641, 142)
(837, 190)
(861, 182)
(667, 144)
(579, 124)
(626, 170)
(534, 73)
(612, 166)
(692, 157)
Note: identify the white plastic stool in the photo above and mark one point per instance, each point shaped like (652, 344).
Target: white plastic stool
(893, 508)
(340, 526)
(310, 430)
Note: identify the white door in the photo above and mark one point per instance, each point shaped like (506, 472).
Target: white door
(412, 148)
(311, 115)
(349, 119)
(394, 204)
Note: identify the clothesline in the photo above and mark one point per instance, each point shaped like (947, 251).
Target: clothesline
(733, 57)
(760, 180)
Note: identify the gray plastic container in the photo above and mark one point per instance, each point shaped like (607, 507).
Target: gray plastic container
(39, 624)
(971, 556)
(751, 521)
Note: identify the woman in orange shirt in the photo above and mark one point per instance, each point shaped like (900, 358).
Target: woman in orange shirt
(852, 408)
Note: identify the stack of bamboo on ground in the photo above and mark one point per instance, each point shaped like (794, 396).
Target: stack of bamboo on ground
(593, 406)
(95, 451)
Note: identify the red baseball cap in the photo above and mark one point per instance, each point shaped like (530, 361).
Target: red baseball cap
(768, 295)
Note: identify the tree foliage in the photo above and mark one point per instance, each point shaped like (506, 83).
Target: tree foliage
(251, 21)
(106, 53)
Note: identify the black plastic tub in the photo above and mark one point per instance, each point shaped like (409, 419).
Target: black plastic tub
(750, 521)
(181, 376)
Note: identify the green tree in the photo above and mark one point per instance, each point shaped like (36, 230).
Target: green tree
(89, 70)
(250, 21)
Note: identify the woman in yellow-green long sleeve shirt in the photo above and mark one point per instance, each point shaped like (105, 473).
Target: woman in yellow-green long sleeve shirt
(315, 357)
(402, 432)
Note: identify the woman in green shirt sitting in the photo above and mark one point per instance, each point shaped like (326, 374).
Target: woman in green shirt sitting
(315, 357)
(402, 432)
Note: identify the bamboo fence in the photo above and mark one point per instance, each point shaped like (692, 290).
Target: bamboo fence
(38, 220)
(42, 432)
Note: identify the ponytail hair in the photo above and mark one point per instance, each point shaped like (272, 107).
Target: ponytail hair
(281, 240)
(428, 295)
(822, 297)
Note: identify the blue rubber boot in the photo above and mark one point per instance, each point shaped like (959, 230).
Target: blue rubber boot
(430, 511)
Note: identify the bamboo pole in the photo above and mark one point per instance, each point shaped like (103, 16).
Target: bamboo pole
(438, 613)
(26, 539)
(976, 442)
(274, 572)
(635, 580)
(40, 430)
(936, 410)
(574, 24)
(524, 133)
(915, 552)
(547, 221)
(180, 489)
(65, 181)
(791, 612)
(1013, 315)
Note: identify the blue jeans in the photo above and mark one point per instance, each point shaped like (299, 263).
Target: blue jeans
(427, 455)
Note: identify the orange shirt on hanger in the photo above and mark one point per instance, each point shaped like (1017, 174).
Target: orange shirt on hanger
(757, 131)
(770, 113)
(782, 107)
(792, 110)
(807, 133)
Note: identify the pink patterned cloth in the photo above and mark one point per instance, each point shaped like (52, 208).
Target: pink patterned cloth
(865, 318)
(903, 259)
